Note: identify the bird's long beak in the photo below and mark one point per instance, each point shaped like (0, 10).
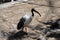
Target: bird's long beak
(36, 11)
(39, 14)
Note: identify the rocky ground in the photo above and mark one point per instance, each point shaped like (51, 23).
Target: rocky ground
(10, 16)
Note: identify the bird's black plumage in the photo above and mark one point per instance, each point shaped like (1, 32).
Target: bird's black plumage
(21, 23)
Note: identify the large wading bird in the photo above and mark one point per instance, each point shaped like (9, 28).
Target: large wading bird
(26, 20)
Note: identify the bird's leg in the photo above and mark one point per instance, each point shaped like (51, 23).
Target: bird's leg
(22, 28)
(26, 29)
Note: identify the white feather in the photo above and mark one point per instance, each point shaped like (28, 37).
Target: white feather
(28, 19)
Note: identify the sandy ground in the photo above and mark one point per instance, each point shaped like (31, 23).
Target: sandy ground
(10, 14)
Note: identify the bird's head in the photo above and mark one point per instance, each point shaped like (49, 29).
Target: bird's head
(33, 10)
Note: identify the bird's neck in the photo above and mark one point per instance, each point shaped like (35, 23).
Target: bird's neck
(32, 13)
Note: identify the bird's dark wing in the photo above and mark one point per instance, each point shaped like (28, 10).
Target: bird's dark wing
(21, 23)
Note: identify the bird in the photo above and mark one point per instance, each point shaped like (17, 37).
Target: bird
(26, 20)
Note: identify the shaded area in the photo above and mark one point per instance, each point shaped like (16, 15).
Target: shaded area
(54, 24)
(38, 28)
(18, 35)
(54, 35)
(5, 1)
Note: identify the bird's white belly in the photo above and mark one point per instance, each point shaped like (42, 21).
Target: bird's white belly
(28, 19)
(27, 22)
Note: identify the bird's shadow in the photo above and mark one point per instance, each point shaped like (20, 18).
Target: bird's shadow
(19, 35)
